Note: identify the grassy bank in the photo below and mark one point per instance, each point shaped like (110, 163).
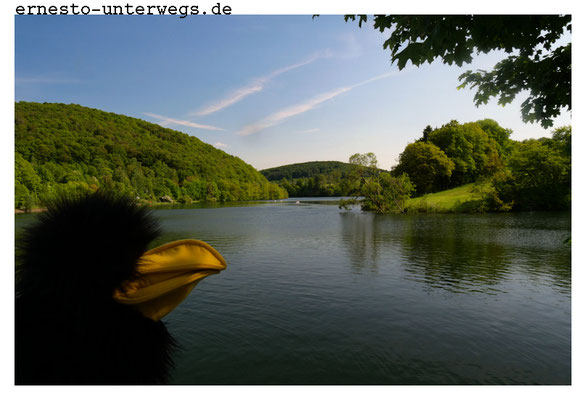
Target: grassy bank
(466, 198)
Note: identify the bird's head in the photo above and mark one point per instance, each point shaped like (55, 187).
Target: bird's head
(93, 248)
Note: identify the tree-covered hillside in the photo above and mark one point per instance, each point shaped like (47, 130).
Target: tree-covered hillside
(314, 178)
(306, 170)
(69, 148)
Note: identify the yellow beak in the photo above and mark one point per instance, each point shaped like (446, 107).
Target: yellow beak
(168, 274)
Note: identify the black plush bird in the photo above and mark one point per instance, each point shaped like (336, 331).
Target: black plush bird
(89, 296)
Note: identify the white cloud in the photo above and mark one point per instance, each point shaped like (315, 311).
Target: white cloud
(257, 85)
(165, 121)
(45, 80)
(289, 68)
(289, 112)
(234, 97)
(300, 108)
(220, 144)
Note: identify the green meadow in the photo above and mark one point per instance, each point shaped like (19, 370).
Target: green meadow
(465, 198)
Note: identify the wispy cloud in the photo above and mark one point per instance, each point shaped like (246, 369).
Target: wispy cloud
(300, 108)
(256, 85)
(289, 112)
(165, 121)
(45, 80)
(220, 144)
(234, 97)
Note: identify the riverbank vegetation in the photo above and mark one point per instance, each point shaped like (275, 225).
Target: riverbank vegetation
(475, 167)
(379, 191)
(314, 178)
(69, 149)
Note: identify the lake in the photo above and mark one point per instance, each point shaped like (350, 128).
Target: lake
(316, 295)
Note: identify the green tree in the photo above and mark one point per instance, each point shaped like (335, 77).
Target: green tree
(428, 167)
(25, 174)
(365, 164)
(23, 198)
(72, 188)
(425, 137)
(497, 133)
(538, 177)
(380, 191)
(534, 63)
(562, 137)
(473, 152)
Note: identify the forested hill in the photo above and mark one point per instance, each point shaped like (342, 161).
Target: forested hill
(69, 148)
(315, 178)
(306, 170)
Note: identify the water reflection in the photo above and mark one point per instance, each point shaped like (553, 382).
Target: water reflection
(444, 254)
(461, 253)
(360, 237)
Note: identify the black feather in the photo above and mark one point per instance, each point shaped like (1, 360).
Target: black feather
(69, 329)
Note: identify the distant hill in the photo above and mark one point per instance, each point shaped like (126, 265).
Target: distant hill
(314, 178)
(306, 170)
(63, 148)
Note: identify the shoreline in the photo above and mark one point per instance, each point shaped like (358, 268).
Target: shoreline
(31, 211)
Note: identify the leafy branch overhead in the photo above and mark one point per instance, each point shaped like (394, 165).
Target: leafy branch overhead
(536, 62)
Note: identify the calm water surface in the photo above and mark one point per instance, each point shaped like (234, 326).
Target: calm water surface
(314, 295)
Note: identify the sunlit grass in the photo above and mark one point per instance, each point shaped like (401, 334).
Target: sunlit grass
(460, 199)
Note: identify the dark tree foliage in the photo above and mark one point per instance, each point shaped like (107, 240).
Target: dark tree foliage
(425, 137)
(534, 64)
(305, 170)
(473, 152)
(497, 133)
(561, 138)
(69, 149)
(537, 175)
(317, 186)
(314, 178)
(378, 191)
(428, 167)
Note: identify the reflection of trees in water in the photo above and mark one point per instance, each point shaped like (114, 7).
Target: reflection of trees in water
(443, 253)
(464, 253)
(459, 253)
(559, 269)
(359, 235)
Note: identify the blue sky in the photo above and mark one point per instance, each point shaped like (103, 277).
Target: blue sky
(271, 90)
